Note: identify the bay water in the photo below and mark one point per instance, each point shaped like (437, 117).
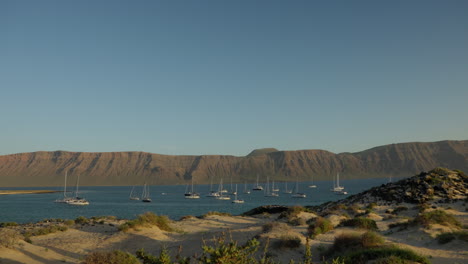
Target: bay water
(167, 200)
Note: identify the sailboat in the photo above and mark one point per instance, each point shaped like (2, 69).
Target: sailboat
(235, 198)
(132, 195)
(246, 191)
(77, 200)
(65, 197)
(286, 190)
(257, 187)
(222, 196)
(145, 196)
(298, 194)
(269, 193)
(273, 189)
(212, 193)
(312, 185)
(192, 194)
(337, 189)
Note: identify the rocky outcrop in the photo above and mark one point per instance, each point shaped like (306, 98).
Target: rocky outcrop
(439, 185)
(128, 168)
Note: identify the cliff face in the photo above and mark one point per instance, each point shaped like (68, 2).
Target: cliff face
(128, 168)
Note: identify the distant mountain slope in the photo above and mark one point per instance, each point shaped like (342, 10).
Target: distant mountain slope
(128, 168)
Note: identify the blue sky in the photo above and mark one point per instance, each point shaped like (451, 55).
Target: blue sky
(226, 77)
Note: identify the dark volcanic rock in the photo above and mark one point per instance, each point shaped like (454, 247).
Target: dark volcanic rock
(437, 185)
(271, 209)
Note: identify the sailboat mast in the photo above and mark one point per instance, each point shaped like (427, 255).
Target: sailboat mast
(65, 187)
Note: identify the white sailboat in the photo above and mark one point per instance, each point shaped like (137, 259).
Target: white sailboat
(212, 193)
(77, 200)
(257, 187)
(192, 194)
(145, 196)
(337, 189)
(132, 195)
(312, 185)
(298, 194)
(222, 196)
(286, 190)
(269, 193)
(235, 198)
(246, 191)
(65, 197)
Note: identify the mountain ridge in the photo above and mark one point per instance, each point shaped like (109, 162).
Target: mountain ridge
(47, 168)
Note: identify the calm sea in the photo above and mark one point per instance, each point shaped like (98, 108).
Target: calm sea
(167, 200)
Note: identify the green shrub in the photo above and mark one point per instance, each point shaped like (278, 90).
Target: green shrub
(320, 226)
(7, 224)
(216, 213)
(297, 221)
(287, 242)
(148, 219)
(365, 255)
(45, 230)
(447, 237)
(69, 222)
(437, 217)
(114, 257)
(293, 212)
(371, 239)
(391, 260)
(348, 242)
(80, 220)
(361, 222)
(268, 227)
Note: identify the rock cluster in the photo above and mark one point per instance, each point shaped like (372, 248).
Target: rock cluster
(438, 185)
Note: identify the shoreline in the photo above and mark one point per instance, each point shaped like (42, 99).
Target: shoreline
(9, 192)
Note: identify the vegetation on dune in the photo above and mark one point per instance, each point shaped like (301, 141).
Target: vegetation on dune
(355, 248)
(361, 222)
(215, 213)
(148, 219)
(447, 237)
(113, 257)
(319, 226)
(437, 217)
(9, 237)
(287, 242)
(269, 227)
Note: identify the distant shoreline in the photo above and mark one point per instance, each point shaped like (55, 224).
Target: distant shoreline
(7, 192)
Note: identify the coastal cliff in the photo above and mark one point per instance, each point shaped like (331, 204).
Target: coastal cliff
(128, 168)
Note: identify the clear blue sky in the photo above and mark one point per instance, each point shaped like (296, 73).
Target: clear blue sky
(226, 77)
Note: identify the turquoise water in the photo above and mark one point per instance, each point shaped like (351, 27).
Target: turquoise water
(25, 208)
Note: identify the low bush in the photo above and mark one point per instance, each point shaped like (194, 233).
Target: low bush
(7, 224)
(216, 213)
(400, 255)
(8, 237)
(81, 220)
(113, 257)
(293, 212)
(45, 230)
(268, 227)
(320, 226)
(148, 219)
(437, 217)
(287, 242)
(361, 222)
(447, 237)
(347, 242)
